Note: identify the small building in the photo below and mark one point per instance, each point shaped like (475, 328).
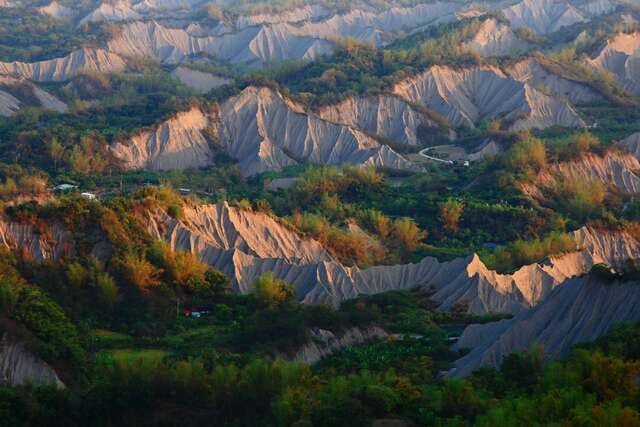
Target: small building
(65, 187)
(195, 313)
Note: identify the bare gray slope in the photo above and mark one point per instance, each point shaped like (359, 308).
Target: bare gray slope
(496, 39)
(198, 80)
(632, 144)
(615, 170)
(531, 72)
(9, 104)
(319, 279)
(19, 367)
(112, 11)
(259, 128)
(543, 16)
(582, 309)
(61, 69)
(471, 95)
(177, 143)
(385, 115)
(621, 57)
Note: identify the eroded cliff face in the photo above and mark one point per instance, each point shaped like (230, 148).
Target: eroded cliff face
(9, 104)
(178, 143)
(471, 95)
(198, 80)
(18, 366)
(262, 130)
(616, 171)
(621, 57)
(231, 229)
(531, 72)
(246, 245)
(115, 11)
(582, 309)
(62, 69)
(324, 343)
(543, 16)
(631, 144)
(52, 244)
(496, 39)
(384, 115)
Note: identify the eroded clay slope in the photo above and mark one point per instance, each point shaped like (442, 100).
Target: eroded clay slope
(621, 57)
(265, 246)
(112, 11)
(61, 69)
(259, 128)
(198, 80)
(57, 10)
(496, 39)
(384, 115)
(632, 144)
(19, 367)
(178, 143)
(582, 309)
(152, 40)
(228, 228)
(471, 95)
(543, 16)
(24, 238)
(531, 72)
(299, 14)
(9, 104)
(616, 171)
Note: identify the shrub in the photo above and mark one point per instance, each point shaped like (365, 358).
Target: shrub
(271, 291)
(450, 213)
(139, 272)
(526, 156)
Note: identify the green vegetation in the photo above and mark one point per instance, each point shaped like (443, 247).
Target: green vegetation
(29, 36)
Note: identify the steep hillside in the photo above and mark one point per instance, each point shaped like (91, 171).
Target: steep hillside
(632, 144)
(37, 245)
(259, 128)
(299, 14)
(61, 69)
(228, 228)
(616, 171)
(20, 367)
(9, 104)
(543, 16)
(57, 10)
(119, 10)
(496, 39)
(198, 80)
(621, 57)
(582, 309)
(531, 72)
(320, 279)
(471, 95)
(178, 143)
(384, 115)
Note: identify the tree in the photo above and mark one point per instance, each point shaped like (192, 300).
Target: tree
(450, 213)
(407, 234)
(56, 152)
(139, 272)
(271, 291)
(107, 289)
(527, 155)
